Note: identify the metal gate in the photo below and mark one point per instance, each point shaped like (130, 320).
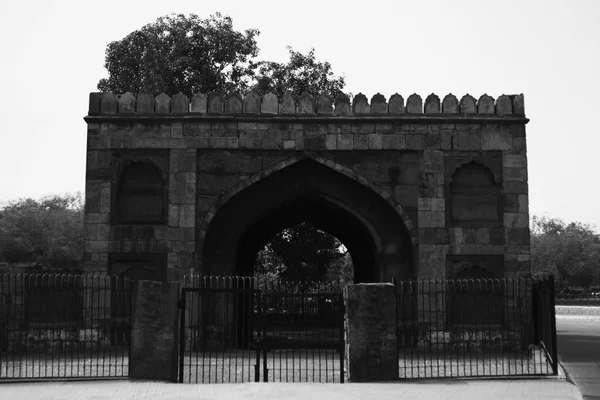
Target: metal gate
(241, 329)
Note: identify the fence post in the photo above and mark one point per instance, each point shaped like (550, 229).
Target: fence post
(371, 340)
(553, 325)
(154, 329)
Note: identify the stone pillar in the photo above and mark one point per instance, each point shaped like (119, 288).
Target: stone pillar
(154, 331)
(182, 212)
(371, 344)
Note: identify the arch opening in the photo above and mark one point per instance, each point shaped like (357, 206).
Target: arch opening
(309, 192)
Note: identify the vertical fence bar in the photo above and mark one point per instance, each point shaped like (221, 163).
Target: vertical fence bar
(553, 325)
(182, 334)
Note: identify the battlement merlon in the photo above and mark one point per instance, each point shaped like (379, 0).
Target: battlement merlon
(215, 105)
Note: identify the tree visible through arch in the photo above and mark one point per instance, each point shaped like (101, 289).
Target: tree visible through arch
(304, 251)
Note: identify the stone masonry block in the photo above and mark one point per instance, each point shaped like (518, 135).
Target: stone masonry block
(519, 236)
(96, 246)
(90, 231)
(345, 141)
(330, 141)
(393, 142)
(361, 142)
(514, 174)
(483, 236)
(289, 144)
(433, 161)
(514, 161)
(496, 137)
(468, 140)
(523, 203)
(175, 234)
(510, 202)
(424, 204)
(514, 187)
(105, 200)
(415, 142)
(384, 128)
(250, 139)
(96, 218)
(456, 236)
(103, 232)
(433, 236)
(516, 220)
(430, 219)
(172, 260)
(173, 219)
(362, 128)
(438, 204)
(446, 139)
(432, 262)
(187, 216)
(375, 141)
(160, 232)
(433, 141)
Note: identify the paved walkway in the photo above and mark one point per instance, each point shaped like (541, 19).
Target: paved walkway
(425, 389)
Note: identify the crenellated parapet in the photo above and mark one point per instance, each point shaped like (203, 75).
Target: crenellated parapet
(216, 103)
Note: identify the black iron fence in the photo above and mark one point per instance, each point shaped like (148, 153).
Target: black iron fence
(476, 328)
(64, 326)
(240, 329)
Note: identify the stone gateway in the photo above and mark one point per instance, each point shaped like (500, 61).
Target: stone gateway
(414, 191)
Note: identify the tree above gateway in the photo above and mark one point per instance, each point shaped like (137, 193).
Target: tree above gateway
(179, 53)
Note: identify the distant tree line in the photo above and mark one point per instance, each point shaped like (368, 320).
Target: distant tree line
(569, 251)
(46, 233)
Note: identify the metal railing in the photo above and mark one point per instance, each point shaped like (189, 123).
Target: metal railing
(475, 328)
(64, 326)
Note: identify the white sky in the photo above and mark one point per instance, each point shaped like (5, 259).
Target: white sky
(52, 56)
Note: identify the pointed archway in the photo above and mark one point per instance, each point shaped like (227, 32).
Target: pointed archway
(378, 235)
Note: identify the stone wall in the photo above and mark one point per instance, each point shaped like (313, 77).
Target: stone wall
(216, 146)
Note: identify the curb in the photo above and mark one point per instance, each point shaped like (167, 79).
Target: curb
(567, 376)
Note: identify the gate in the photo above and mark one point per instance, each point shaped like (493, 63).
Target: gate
(64, 326)
(218, 331)
(302, 337)
(243, 329)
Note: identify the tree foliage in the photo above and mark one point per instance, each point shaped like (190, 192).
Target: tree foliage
(189, 54)
(181, 53)
(48, 231)
(570, 252)
(304, 252)
(301, 74)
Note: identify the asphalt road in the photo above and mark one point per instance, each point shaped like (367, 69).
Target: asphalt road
(579, 352)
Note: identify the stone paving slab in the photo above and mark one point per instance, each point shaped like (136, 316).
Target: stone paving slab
(529, 389)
